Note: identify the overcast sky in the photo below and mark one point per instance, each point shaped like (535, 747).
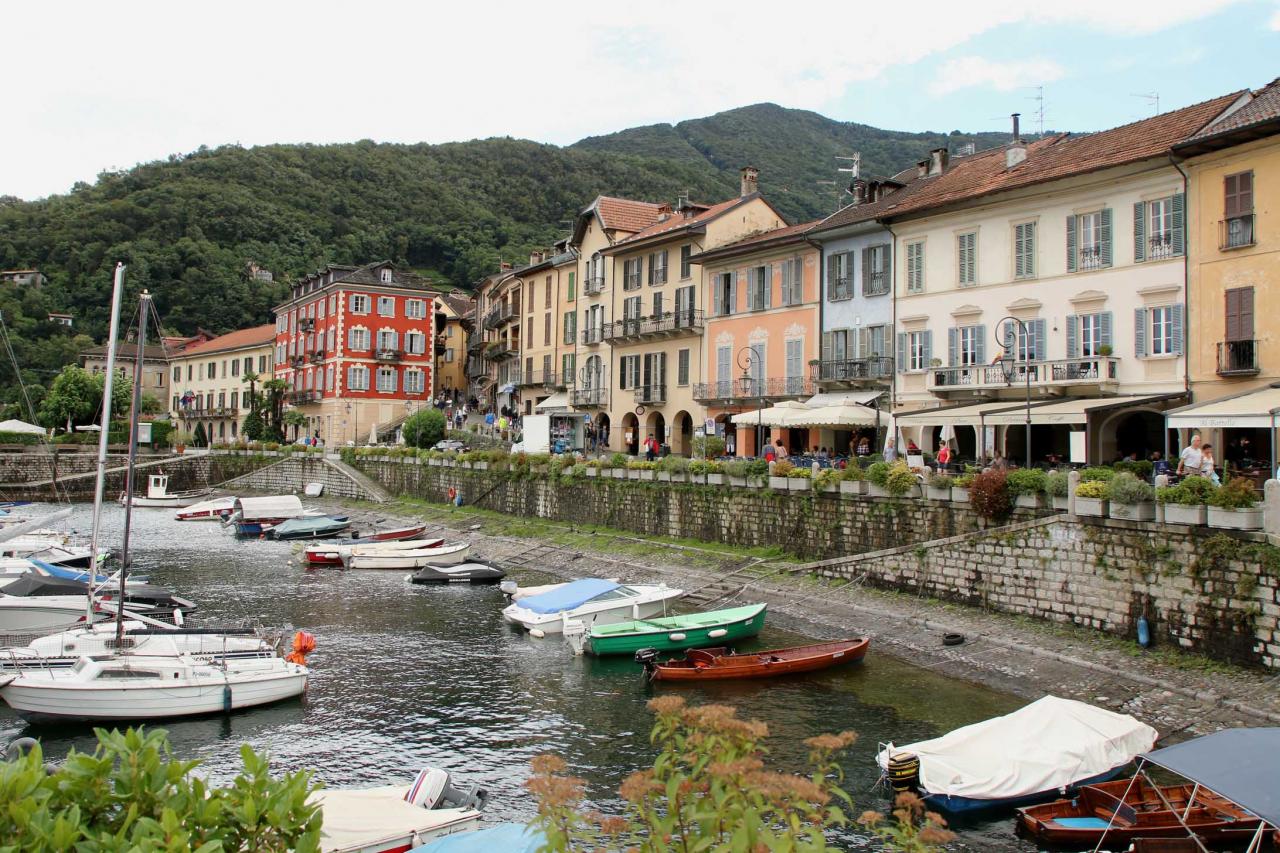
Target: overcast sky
(93, 86)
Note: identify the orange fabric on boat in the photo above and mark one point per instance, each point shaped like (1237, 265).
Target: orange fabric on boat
(304, 643)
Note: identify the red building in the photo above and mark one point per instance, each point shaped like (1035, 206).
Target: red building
(356, 346)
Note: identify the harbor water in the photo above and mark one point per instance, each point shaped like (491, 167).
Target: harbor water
(406, 676)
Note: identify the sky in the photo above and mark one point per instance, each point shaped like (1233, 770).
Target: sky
(92, 86)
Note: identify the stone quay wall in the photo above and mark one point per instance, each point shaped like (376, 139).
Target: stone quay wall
(37, 465)
(189, 471)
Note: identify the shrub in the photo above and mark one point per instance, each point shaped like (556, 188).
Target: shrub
(736, 468)
(854, 473)
(536, 460)
(674, 464)
(878, 473)
(782, 468)
(1026, 481)
(1057, 483)
(1140, 468)
(899, 480)
(800, 473)
(698, 467)
(757, 468)
(1095, 489)
(617, 460)
(827, 478)
(1101, 474)
(424, 428)
(964, 481)
(711, 446)
(641, 465)
(20, 438)
(940, 481)
(1127, 489)
(989, 495)
(1236, 493)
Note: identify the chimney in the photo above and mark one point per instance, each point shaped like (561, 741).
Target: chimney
(682, 205)
(1016, 151)
(535, 258)
(750, 180)
(937, 161)
(1017, 137)
(922, 168)
(503, 266)
(859, 190)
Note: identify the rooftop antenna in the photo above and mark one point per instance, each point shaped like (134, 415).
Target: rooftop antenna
(1038, 115)
(837, 188)
(854, 169)
(1152, 98)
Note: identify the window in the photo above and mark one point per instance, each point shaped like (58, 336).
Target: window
(333, 304)
(528, 297)
(415, 343)
(840, 276)
(915, 267)
(682, 367)
(385, 275)
(1031, 340)
(1158, 228)
(319, 381)
(358, 339)
(248, 363)
(359, 303)
(967, 259)
(1237, 210)
(758, 289)
(657, 305)
(631, 270)
(793, 281)
(724, 378)
(358, 377)
(968, 345)
(177, 374)
(628, 371)
(658, 267)
(875, 270)
(546, 296)
(546, 329)
(1162, 330)
(686, 265)
(795, 365)
(235, 399)
(724, 297)
(415, 309)
(235, 367)
(1089, 241)
(631, 308)
(573, 287)
(386, 380)
(319, 309)
(570, 325)
(177, 402)
(528, 334)
(1087, 334)
(414, 381)
(1239, 314)
(1024, 250)
(448, 355)
(684, 305)
(329, 376)
(567, 367)
(918, 350)
(386, 306)
(388, 339)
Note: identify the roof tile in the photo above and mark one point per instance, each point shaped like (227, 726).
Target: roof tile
(256, 336)
(623, 214)
(1263, 107)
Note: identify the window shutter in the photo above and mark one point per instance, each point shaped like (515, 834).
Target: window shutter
(351, 339)
(902, 352)
(733, 292)
(927, 342)
(768, 286)
(1073, 336)
(831, 276)
(1071, 244)
(716, 286)
(1038, 351)
(1105, 246)
(866, 272)
(1139, 231)
(351, 378)
(751, 291)
(1140, 332)
(1106, 330)
(850, 259)
(980, 345)
(1246, 313)
(622, 372)
(351, 302)
(826, 346)
(395, 340)
(1178, 225)
(1175, 322)
(952, 334)
(1233, 314)
(1008, 334)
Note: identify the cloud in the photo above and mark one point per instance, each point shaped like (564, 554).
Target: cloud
(1275, 21)
(966, 71)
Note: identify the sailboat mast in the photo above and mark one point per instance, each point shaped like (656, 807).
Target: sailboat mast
(144, 309)
(117, 293)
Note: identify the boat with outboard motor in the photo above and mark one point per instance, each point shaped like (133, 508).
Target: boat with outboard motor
(310, 527)
(51, 547)
(396, 818)
(158, 495)
(589, 601)
(332, 553)
(255, 516)
(471, 571)
(214, 509)
(377, 557)
(671, 633)
(718, 664)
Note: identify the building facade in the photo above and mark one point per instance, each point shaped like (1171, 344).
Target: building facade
(155, 366)
(356, 347)
(549, 291)
(455, 319)
(210, 382)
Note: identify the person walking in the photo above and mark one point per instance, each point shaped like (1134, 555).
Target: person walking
(782, 452)
(1208, 466)
(890, 451)
(1191, 459)
(944, 457)
(650, 448)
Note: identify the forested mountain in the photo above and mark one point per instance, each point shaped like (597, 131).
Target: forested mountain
(188, 227)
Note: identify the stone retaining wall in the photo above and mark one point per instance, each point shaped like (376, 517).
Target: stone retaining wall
(292, 474)
(37, 464)
(191, 471)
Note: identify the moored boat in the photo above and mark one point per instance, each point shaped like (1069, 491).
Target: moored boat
(317, 527)
(255, 516)
(673, 633)
(333, 553)
(376, 557)
(395, 818)
(590, 601)
(63, 649)
(214, 509)
(471, 571)
(720, 663)
(504, 837)
(158, 495)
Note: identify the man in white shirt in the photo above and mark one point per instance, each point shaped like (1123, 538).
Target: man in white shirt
(1191, 459)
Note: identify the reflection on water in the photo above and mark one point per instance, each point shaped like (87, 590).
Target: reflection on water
(405, 676)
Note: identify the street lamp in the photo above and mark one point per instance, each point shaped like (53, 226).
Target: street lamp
(747, 361)
(1008, 360)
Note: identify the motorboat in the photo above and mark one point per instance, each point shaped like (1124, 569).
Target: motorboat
(590, 601)
(22, 615)
(158, 495)
(149, 687)
(514, 592)
(317, 527)
(1033, 754)
(53, 548)
(395, 818)
(673, 633)
(63, 649)
(471, 571)
(721, 663)
(214, 509)
(375, 557)
(331, 553)
(255, 516)
(136, 595)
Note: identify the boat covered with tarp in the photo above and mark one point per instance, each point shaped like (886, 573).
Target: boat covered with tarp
(589, 601)
(254, 516)
(311, 527)
(1035, 753)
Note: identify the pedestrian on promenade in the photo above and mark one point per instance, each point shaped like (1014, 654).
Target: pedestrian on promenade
(890, 451)
(1191, 460)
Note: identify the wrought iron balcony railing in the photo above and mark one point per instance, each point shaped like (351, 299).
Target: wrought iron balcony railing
(745, 391)
(669, 324)
(587, 397)
(650, 394)
(388, 354)
(1090, 370)
(1236, 232)
(853, 370)
(593, 335)
(1238, 358)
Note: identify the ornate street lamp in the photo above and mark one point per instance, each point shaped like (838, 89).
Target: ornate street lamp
(746, 360)
(1008, 361)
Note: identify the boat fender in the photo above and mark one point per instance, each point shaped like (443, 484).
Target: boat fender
(304, 643)
(717, 633)
(1144, 632)
(537, 633)
(952, 639)
(676, 637)
(226, 698)
(20, 747)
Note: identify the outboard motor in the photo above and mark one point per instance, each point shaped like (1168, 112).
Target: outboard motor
(904, 772)
(508, 588)
(433, 789)
(647, 658)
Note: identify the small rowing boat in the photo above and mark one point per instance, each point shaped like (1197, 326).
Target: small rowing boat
(404, 538)
(720, 663)
(376, 557)
(673, 633)
(319, 527)
(214, 509)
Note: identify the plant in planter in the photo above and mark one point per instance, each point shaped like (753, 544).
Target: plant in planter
(1092, 497)
(181, 438)
(938, 486)
(828, 480)
(1027, 486)
(736, 471)
(674, 468)
(989, 494)
(960, 487)
(799, 479)
(1131, 498)
(853, 481)
(1233, 506)
(900, 480)
(1100, 474)
(877, 477)
(778, 477)
(639, 469)
(1186, 503)
(1056, 485)
(715, 473)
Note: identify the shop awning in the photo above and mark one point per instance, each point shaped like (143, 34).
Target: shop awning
(842, 398)
(557, 403)
(1073, 411)
(840, 415)
(1256, 408)
(974, 414)
(770, 416)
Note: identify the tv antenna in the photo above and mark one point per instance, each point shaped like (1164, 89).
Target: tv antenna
(837, 188)
(1152, 98)
(854, 169)
(1038, 115)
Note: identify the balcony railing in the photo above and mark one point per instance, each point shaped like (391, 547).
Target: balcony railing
(497, 351)
(593, 284)
(1094, 370)
(876, 283)
(299, 398)
(593, 335)
(477, 366)
(545, 378)
(840, 287)
(670, 324)
(745, 391)
(1160, 246)
(1090, 258)
(1238, 358)
(649, 394)
(499, 316)
(297, 360)
(387, 354)
(306, 324)
(317, 357)
(587, 397)
(853, 370)
(1236, 232)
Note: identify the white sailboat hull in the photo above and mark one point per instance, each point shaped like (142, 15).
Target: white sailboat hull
(210, 510)
(40, 614)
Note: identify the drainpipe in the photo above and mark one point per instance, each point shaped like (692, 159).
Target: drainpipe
(822, 304)
(1186, 298)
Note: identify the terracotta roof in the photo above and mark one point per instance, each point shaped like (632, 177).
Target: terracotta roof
(756, 242)
(677, 222)
(852, 214)
(458, 303)
(1260, 108)
(1053, 158)
(623, 214)
(256, 336)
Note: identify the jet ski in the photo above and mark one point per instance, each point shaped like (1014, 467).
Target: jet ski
(471, 571)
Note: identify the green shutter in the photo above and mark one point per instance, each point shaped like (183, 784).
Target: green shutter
(952, 334)
(980, 345)
(1105, 247)
(1071, 244)
(1179, 223)
(1073, 334)
(1106, 330)
(1140, 332)
(1175, 323)
(1139, 231)
(902, 352)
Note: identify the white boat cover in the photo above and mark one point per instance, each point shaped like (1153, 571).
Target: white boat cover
(354, 818)
(1047, 745)
(276, 506)
(21, 427)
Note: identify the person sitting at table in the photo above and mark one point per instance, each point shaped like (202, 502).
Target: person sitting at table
(912, 447)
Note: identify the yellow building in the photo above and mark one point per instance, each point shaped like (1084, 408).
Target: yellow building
(1233, 169)
(498, 319)
(549, 291)
(458, 311)
(208, 381)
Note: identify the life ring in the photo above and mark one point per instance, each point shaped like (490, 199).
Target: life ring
(453, 494)
(952, 639)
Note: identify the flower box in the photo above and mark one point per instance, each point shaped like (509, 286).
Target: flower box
(734, 481)
(646, 475)
(1060, 503)
(876, 491)
(481, 466)
(799, 484)
(1029, 501)
(678, 476)
(778, 484)
(757, 482)
(831, 488)
(664, 476)
(1235, 519)
(434, 462)
(466, 465)
(959, 495)
(935, 494)
(715, 479)
(632, 473)
(619, 473)
(1095, 507)
(1145, 511)
(593, 472)
(1186, 514)
(853, 487)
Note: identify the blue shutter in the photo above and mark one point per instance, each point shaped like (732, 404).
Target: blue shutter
(1175, 321)
(351, 339)
(831, 276)
(1073, 335)
(1071, 244)
(952, 334)
(1105, 246)
(928, 348)
(1139, 231)
(1008, 334)
(1039, 351)
(1106, 330)
(902, 352)
(1179, 224)
(733, 292)
(1140, 332)
(768, 286)
(980, 345)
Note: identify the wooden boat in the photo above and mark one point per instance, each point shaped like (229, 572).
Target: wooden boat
(673, 633)
(331, 553)
(159, 496)
(716, 664)
(379, 557)
(1125, 810)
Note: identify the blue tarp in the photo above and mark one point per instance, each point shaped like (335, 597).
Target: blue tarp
(66, 574)
(504, 838)
(1242, 765)
(567, 597)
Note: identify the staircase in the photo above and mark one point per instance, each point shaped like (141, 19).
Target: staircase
(724, 590)
(372, 490)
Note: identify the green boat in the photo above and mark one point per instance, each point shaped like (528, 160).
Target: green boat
(672, 633)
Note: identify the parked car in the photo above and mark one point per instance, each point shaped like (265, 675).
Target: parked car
(450, 444)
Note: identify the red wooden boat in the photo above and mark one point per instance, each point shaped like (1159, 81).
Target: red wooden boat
(331, 553)
(1129, 809)
(714, 664)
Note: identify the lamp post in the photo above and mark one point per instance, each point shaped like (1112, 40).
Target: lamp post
(1007, 361)
(747, 360)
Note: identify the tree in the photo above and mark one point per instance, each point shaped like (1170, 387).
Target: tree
(295, 419)
(131, 794)
(151, 404)
(251, 397)
(274, 391)
(424, 428)
(75, 397)
(253, 428)
(201, 438)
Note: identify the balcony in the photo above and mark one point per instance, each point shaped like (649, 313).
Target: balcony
(477, 366)
(1047, 377)
(587, 398)
(499, 316)
(847, 373)
(317, 357)
(382, 354)
(497, 351)
(307, 324)
(544, 378)
(651, 394)
(741, 392)
(1238, 358)
(593, 285)
(297, 360)
(1236, 232)
(593, 336)
(1160, 246)
(301, 398)
(669, 325)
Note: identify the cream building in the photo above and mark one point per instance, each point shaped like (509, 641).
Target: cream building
(549, 292)
(209, 381)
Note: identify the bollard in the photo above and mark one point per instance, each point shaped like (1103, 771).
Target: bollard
(1073, 482)
(1271, 511)
(1162, 480)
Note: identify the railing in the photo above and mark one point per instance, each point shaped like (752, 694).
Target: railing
(1238, 358)
(387, 354)
(545, 378)
(1236, 232)
(671, 323)
(1090, 258)
(297, 360)
(583, 397)
(631, 281)
(1089, 370)
(300, 397)
(317, 357)
(735, 391)
(840, 287)
(593, 284)
(477, 367)
(1160, 246)
(593, 335)
(876, 283)
(496, 352)
(307, 324)
(499, 316)
(853, 369)
(651, 393)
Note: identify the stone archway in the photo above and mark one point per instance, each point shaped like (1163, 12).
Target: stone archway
(1138, 432)
(682, 434)
(630, 437)
(655, 425)
(603, 430)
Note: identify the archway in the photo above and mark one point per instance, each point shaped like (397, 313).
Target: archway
(1138, 433)
(682, 434)
(630, 433)
(602, 431)
(964, 441)
(655, 425)
(726, 430)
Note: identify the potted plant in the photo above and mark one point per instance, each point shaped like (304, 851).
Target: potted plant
(778, 476)
(901, 481)
(1186, 503)
(1056, 485)
(853, 480)
(592, 468)
(800, 479)
(938, 487)
(1091, 498)
(618, 466)
(828, 480)
(480, 460)
(715, 473)
(877, 477)
(757, 474)
(1026, 486)
(736, 471)
(1131, 498)
(181, 438)
(960, 487)
(676, 469)
(1233, 506)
